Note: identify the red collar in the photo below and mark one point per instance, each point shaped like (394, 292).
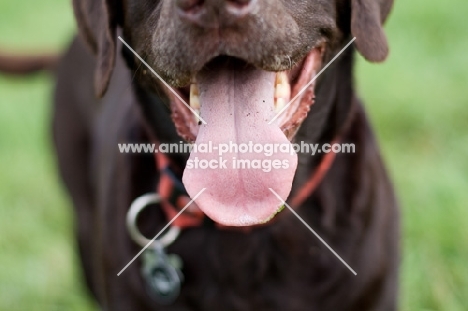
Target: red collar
(175, 197)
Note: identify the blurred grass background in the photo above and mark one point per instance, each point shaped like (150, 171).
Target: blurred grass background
(418, 103)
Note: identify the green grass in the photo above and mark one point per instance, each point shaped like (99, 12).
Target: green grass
(38, 268)
(418, 105)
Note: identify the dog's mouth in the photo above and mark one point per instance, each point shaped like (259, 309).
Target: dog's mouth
(238, 102)
(287, 86)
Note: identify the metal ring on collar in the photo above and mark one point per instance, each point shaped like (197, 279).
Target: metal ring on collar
(137, 206)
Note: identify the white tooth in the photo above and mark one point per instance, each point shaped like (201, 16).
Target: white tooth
(194, 97)
(282, 78)
(287, 91)
(194, 89)
(282, 91)
(278, 91)
(195, 102)
(279, 104)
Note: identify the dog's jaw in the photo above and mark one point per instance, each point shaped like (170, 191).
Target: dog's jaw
(238, 102)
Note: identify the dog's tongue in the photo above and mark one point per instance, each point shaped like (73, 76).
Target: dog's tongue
(237, 105)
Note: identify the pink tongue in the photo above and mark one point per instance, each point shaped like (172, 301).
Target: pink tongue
(237, 105)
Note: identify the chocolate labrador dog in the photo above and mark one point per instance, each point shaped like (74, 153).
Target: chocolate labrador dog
(237, 63)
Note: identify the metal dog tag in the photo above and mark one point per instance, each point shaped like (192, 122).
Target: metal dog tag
(162, 273)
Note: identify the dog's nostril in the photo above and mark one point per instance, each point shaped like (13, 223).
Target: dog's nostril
(189, 6)
(213, 13)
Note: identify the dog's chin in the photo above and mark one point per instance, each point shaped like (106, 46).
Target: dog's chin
(293, 84)
(240, 104)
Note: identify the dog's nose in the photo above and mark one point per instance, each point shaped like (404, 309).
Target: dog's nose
(210, 13)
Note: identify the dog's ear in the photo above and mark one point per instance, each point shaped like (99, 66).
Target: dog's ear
(367, 18)
(97, 24)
